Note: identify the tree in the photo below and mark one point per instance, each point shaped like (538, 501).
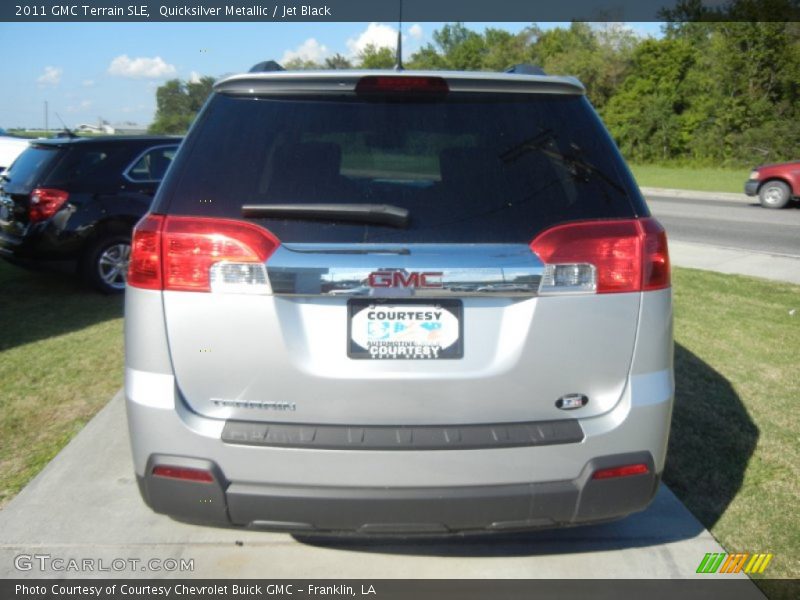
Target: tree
(372, 57)
(715, 87)
(337, 61)
(744, 90)
(645, 115)
(198, 92)
(301, 64)
(456, 47)
(599, 57)
(427, 58)
(177, 104)
(504, 49)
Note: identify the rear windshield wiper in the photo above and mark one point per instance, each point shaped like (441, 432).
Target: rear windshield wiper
(545, 143)
(382, 214)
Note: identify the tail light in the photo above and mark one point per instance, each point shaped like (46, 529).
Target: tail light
(200, 254)
(400, 84)
(655, 255)
(183, 473)
(144, 265)
(624, 471)
(45, 202)
(603, 257)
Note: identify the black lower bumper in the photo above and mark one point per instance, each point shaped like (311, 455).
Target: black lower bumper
(381, 510)
(751, 187)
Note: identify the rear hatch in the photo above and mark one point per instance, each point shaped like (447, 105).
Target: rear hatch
(26, 174)
(55, 177)
(397, 255)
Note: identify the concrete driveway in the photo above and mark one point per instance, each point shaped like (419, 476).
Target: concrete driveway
(85, 505)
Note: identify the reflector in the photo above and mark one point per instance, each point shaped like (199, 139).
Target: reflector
(625, 471)
(184, 473)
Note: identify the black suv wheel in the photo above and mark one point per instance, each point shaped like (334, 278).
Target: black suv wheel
(105, 264)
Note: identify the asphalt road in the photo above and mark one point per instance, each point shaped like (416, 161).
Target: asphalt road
(728, 223)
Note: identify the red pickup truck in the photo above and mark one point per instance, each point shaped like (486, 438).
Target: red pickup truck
(775, 185)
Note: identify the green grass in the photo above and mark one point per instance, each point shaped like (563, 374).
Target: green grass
(705, 179)
(734, 456)
(60, 362)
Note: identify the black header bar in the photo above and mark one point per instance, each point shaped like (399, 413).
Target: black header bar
(387, 10)
(393, 589)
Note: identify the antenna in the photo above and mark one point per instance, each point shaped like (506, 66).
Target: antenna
(399, 64)
(69, 132)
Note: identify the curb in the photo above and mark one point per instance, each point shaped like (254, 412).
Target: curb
(733, 261)
(698, 195)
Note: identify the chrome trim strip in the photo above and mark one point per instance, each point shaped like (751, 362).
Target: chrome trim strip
(343, 270)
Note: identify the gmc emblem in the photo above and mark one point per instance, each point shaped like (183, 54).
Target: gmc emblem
(388, 279)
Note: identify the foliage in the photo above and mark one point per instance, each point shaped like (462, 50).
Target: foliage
(177, 104)
(646, 112)
(337, 61)
(373, 57)
(709, 92)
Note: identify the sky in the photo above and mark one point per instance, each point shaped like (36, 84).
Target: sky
(88, 71)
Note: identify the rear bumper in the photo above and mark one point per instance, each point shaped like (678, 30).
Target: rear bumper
(428, 510)
(41, 242)
(374, 487)
(751, 187)
(367, 491)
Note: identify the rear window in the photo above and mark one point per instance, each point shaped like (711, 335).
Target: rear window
(29, 168)
(92, 166)
(470, 169)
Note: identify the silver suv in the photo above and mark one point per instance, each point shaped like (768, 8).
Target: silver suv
(398, 302)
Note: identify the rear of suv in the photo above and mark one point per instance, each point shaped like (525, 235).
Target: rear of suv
(74, 201)
(398, 303)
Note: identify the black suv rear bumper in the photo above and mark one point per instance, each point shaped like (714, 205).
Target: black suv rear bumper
(438, 510)
(41, 242)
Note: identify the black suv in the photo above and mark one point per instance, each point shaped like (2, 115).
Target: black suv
(78, 199)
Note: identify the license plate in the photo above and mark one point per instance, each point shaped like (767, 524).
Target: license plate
(405, 329)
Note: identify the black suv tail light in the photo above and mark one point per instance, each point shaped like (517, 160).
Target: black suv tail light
(45, 202)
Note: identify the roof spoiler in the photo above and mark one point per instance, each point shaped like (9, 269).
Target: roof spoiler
(266, 66)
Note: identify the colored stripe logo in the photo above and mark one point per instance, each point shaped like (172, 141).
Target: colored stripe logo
(716, 562)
